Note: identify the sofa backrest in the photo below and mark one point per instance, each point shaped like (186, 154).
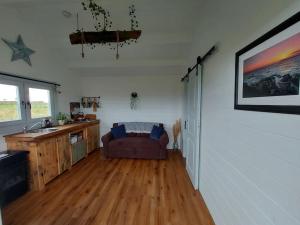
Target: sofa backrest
(138, 127)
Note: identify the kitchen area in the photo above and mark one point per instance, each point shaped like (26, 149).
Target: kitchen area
(52, 151)
(43, 150)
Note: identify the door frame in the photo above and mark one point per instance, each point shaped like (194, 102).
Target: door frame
(196, 179)
(200, 95)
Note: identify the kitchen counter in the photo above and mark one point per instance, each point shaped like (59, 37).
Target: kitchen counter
(51, 152)
(32, 137)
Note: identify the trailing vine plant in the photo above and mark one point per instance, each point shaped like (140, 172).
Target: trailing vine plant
(103, 22)
(134, 25)
(133, 20)
(99, 14)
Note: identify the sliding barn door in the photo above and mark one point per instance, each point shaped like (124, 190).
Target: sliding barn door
(192, 125)
(184, 121)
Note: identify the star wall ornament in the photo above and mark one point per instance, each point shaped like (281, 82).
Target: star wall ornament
(20, 50)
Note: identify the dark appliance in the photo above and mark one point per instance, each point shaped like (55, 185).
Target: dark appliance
(13, 175)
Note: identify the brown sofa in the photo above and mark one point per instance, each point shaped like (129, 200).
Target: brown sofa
(136, 146)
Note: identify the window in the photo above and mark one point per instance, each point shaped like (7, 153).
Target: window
(25, 102)
(9, 103)
(40, 103)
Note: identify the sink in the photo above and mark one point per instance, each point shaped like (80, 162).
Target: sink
(51, 129)
(44, 130)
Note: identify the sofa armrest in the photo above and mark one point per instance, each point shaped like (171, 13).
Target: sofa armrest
(164, 140)
(105, 140)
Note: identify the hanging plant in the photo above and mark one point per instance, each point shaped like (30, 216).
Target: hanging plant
(99, 14)
(134, 100)
(103, 35)
(133, 20)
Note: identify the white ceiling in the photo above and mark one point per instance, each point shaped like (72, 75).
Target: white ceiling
(167, 30)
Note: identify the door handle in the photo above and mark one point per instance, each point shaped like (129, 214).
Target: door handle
(29, 105)
(24, 104)
(185, 124)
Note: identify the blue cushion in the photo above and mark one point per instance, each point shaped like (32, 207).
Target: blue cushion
(156, 132)
(118, 132)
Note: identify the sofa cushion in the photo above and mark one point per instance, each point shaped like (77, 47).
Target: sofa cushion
(134, 143)
(118, 132)
(138, 127)
(156, 132)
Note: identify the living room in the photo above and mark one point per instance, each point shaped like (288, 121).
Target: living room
(238, 164)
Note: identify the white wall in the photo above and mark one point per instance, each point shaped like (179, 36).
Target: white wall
(160, 99)
(46, 64)
(250, 161)
(160, 95)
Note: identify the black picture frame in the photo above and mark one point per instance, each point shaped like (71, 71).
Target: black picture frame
(288, 109)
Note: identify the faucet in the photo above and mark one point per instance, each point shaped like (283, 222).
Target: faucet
(25, 128)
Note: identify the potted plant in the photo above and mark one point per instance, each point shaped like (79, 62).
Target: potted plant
(61, 118)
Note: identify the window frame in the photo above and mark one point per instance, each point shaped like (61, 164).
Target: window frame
(21, 99)
(38, 85)
(23, 86)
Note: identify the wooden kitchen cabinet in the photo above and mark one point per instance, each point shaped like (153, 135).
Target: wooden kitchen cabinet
(93, 138)
(49, 159)
(50, 153)
(63, 152)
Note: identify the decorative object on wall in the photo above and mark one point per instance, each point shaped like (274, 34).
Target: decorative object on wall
(102, 35)
(268, 71)
(134, 98)
(20, 50)
(74, 109)
(91, 102)
(176, 132)
(95, 105)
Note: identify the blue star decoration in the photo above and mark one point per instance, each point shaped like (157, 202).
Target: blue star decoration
(20, 50)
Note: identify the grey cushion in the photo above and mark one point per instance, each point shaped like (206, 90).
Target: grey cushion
(138, 127)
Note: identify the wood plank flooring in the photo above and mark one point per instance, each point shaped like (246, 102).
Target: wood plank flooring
(114, 192)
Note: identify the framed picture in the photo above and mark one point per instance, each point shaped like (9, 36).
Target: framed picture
(267, 71)
(74, 109)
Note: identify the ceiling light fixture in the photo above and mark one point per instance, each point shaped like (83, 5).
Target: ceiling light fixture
(102, 35)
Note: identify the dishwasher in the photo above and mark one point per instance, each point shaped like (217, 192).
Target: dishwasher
(78, 146)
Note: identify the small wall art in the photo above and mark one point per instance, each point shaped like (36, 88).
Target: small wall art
(91, 102)
(74, 109)
(19, 50)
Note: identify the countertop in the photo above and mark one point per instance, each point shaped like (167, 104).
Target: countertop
(33, 137)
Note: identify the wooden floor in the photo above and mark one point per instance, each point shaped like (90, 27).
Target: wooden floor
(114, 192)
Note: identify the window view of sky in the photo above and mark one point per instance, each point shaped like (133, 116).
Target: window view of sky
(10, 93)
(38, 95)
